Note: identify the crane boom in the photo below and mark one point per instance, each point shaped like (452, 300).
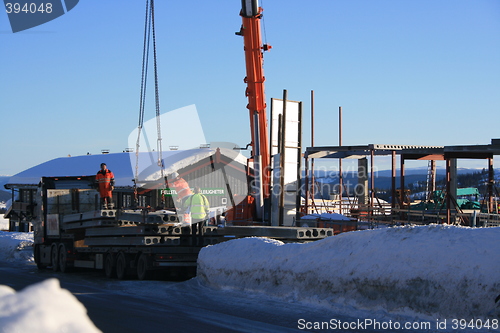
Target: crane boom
(251, 14)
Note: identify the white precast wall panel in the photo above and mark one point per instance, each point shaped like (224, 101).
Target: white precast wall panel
(291, 161)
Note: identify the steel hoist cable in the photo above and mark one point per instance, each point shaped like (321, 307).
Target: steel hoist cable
(149, 33)
(157, 95)
(144, 75)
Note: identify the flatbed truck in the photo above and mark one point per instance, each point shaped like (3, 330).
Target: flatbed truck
(70, 231)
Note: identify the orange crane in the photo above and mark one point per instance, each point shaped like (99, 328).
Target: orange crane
(251, 15)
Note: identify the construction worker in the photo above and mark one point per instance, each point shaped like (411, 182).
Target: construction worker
(198, 206)
(180, 186)
(106, 183)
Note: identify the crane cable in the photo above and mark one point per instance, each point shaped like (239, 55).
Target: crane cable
(263, 24)
(157, 95)
(149, 29)
(145, 57)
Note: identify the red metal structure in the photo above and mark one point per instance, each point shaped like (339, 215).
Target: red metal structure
(251, 14)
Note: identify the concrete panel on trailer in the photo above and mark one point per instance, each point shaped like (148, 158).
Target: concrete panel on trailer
(120, 231)
(171, 241)
(277, 232)
(123, 241)
(211, 231)
(143, 230)
(91, 223)
(144, 217)
(90, 215)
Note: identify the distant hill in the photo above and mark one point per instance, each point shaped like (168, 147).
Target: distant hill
(415, 181)
(3, 181)
(5, 196)
(383, 178)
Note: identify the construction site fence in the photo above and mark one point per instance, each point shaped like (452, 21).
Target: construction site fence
(384, 213)
(471, 219)
(354, 210)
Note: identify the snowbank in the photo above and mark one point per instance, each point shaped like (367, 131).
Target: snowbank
(16, 246)
(433, 270)
(43, 307)
(4, 223)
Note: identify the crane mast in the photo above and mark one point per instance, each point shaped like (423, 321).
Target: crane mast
(251, 14)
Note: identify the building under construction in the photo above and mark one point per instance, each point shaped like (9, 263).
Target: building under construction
(367, 207)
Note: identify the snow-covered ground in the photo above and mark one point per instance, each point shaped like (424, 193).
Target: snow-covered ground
(4, 223)
(16, 246)
(422, 273)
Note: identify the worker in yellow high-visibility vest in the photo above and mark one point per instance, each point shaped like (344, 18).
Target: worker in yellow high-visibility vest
(198, 206)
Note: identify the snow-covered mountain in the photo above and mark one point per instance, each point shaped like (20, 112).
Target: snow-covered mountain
(383, 178)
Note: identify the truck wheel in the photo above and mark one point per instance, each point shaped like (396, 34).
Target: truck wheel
(38, 260)
(121, 266)
(63, 258)
(54, 255)
(109, 266)
(142, 267)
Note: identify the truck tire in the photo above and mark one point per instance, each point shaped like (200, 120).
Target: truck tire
(143, 273)
(121, 266)
(38, 260)
(54, 255)
(109, 266)
(63, 258)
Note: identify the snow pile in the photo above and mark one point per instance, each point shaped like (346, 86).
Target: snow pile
(4, 223)
(433, 270)
(16, 246)
(43, 307)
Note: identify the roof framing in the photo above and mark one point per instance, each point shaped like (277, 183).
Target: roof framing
(407, 151)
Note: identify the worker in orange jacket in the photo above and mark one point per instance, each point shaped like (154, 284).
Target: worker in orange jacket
(106, 183)
(180, 186)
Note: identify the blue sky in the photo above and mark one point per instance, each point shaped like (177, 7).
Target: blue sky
(420, 72)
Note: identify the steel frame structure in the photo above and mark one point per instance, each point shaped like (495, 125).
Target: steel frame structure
(410, 152)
